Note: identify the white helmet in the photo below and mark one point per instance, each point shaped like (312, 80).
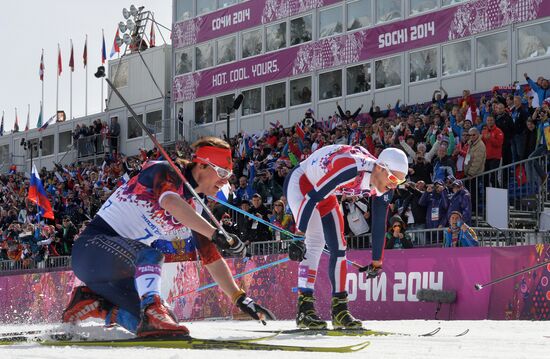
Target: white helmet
(394, 159)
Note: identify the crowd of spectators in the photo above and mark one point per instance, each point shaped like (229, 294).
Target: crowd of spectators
(448, 142)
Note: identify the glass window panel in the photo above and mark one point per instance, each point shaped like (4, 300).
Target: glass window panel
(301, 30)
(387, 10)
(184, 10)
(418, 6)
(134, 130)
(492, 50)
(204, 6)
(184, 61)
(153, 121)
(65, 140)
(358, 78)
(226, 3)
(300, 91)
(227, 49)
(534, 41)
(330, 84)
(423, 65)
(359, 14)
(450, 2)
(47, 145)
(252, 43)
(203, 111)
(222, 104)
(252, 102)
(456, 58)
(204, 56)
(330, 22)
(388, 72)
(275, 96)
(275, 37)
(180, 124)
(120, 77)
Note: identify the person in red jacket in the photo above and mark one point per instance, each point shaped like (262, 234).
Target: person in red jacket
(493, 137)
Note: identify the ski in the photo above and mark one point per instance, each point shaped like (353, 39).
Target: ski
(196, 343)
(345, 332)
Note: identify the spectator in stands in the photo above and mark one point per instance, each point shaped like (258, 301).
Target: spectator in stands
(476, 157)
(443, 165)
(543, 146)
(396, 237)
(503, 120)
(542, 88)
(459, 234)
(436, 201)
(348, 115)
(519, 115)
(493, 137)
(282, 220)
(261, 231)
(413, 212)
(263, 185)
(244, 223)
(245, 191)
(529, 138)
(438, 100)
(114, 134)
(460, 201)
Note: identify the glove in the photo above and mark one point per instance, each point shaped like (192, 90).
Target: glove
(297, 251)
(256, 311)
(237, 249)
(371, 270)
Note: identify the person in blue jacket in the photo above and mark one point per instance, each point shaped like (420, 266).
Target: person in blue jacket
(460, 201)
(459, 234)
(436, 200)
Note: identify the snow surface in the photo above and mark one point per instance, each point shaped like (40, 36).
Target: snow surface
(486, 339)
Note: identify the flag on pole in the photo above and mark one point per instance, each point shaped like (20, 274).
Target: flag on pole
(85, 54)
(16, 124)
(71, 59)
(103, 51)
(115, 48)
(27, 125)
(41, 69)
(39, 122)
(59, 64)
(45, 125)
(152, 35)
(2, 125)
(38, 195)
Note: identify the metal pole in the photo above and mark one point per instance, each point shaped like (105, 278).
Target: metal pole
(228, 117)
(501, 279)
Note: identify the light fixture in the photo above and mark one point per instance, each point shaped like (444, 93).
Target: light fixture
(133, 10)
(118, 41)
(126, 39)
(130, 25)
(125, 13)
(122, 26)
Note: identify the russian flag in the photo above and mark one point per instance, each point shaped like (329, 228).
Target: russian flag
(223, 193)
(38, 195)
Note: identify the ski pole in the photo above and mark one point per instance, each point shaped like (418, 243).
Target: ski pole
(498, 280)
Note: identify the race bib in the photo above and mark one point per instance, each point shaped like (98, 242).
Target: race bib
(255, 225)
(435, 214)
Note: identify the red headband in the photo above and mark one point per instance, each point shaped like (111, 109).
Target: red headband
(219, 156)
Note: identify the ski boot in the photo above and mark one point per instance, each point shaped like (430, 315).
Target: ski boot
(157, 320)
(307, 317)
(341, 317)
(85, 304)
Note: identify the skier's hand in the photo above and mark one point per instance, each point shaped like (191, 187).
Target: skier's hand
(237, 248)
(255, 310)
(297, 251)
(371, 271)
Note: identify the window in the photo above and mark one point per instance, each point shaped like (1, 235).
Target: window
(534, 41)
(47, 145)
(330, 22)
(204, 6)
(359, 14)
(450, 2)
(275, 37)
(5, 153)
(387, 10)
(153, 121)
(65, 141)
(418, 6)
(492, 50)
(226, 3)
(184, 10)
(301, 30)
(252, 102)
(119, 77)
(358, 78)
(330, 84)
(222, 104)
(134, 130)
(203, 111)
(204, 56)
(300, 91)
(388, 72)
(423, 65)
(184, 61)
(456, 58)
(251, 43)
(275, 96)
(227, 49)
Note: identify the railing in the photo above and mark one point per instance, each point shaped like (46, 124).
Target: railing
(526, 198)
(10, 267)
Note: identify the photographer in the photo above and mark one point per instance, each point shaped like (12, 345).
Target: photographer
(396, 237)
(309, 119)
(413, 211)
(436, 201)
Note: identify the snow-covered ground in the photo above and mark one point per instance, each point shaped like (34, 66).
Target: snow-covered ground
(486, 339)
